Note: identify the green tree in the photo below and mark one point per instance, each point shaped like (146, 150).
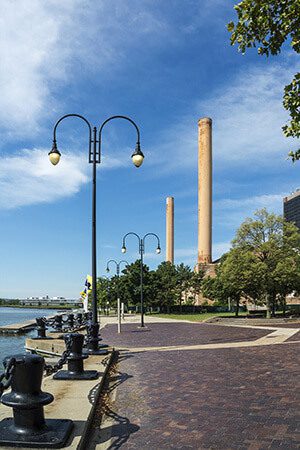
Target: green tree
(183, 282)
(103, 285)
(213, 288)
(153, 287)
(273, 249)
(166, 284)
(196, 282)
(237, 276)
(130, 283)
(268, 24)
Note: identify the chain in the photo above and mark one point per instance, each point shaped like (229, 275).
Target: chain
(105, 361)
(89, 336)
(49, 321)
(52, 369)
(6, 376)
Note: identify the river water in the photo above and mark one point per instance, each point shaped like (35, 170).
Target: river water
(14, 343)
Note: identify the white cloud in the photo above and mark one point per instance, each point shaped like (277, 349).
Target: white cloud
(247, 118)
(44, 44)
(230, 213)
(220, 248)
(31, 57)
(28, 178)
(269, 201)
(189, 255)
(248, 115)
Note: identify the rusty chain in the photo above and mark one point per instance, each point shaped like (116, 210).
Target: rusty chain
(63, 359)
(6, 376)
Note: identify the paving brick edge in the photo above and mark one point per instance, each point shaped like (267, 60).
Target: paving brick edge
(83, 443)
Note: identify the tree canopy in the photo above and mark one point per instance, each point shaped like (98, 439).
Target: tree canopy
(166, 286)
(263, 266)
(268, 24)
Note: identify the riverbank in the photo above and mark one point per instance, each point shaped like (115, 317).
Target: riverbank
(56, 307)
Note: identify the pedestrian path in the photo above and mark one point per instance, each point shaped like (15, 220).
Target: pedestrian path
(241, 393)
(194, 336)
(279, 336)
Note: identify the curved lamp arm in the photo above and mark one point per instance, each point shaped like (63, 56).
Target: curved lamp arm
(54, 154)
(158, 241)
(137, 156)
(119, 117)
(123, 261)
(110, 261)
(124, 241)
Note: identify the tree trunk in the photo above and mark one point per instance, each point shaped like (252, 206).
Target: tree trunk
(237, 307)
(268, 304)
(273, 307)
(284, 306)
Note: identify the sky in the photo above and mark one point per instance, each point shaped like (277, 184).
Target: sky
(163, 63)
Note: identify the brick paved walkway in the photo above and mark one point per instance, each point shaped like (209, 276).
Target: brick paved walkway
(170, 334)
(237, 398)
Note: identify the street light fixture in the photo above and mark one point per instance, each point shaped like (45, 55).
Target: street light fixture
(94, 159)
(141, 252)
(118, 264)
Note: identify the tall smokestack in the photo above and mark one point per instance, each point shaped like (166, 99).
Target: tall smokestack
(204, 190)
(170, 230)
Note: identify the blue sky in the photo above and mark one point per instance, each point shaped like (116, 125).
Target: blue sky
(163, 63)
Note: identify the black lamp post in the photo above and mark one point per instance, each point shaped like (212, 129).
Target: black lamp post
(141, 251)
(95, 158)
(118, 264)
(107, 295)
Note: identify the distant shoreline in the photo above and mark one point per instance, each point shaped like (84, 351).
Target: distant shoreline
(36, 307)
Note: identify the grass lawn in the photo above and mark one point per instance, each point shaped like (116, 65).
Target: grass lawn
(198, 317)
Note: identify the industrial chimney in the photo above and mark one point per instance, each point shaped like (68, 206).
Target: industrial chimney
(204, 191)
(170, 230)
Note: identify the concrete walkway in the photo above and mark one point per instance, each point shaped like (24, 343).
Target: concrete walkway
(73, 399)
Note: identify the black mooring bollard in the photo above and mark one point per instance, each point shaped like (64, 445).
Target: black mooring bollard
(70, 321)
(79, 319)
(92, 346)
(41, 328)
(57, 324)
(75, 361)
(88, 316)
(28, 427)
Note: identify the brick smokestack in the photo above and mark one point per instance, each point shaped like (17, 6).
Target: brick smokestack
(204, 190)
(170, 230)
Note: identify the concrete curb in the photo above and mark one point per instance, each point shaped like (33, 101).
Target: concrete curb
(83, 443)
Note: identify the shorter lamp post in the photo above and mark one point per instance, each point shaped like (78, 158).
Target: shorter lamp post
(141, 251)
(118, 264)
(105, 307)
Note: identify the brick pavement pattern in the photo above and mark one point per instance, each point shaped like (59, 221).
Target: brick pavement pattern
(296, 337)
(238, 398)
(171, 334)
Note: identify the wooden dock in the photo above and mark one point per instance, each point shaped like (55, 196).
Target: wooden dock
(18, 328)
